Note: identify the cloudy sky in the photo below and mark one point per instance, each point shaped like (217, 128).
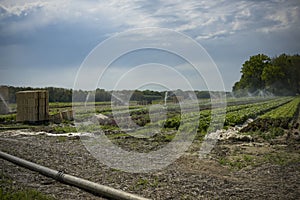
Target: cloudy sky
(43, 43)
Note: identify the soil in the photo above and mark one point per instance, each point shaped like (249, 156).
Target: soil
(215, 177)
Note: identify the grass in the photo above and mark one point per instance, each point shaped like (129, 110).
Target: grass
(62, 138)
(238, 162)
(281, 158)
(118, 136)
(10, 192)
(272, 134)
(96, 128)
(143, 183)
(25, 194)
(14, 126)
(7, 118)
(64, 129)
(278, 157)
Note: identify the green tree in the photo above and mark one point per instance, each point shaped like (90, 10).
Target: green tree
(273, 76)
(102, 95)
(295, 73)
(288, 81)
(252, 70)
(279, 75)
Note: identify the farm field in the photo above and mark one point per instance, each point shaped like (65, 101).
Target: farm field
(257, 154)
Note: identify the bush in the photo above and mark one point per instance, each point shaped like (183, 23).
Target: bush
(172, 123)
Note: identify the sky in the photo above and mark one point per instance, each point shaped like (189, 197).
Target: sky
(44, 43)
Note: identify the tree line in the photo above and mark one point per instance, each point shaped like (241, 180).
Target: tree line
(61, 94)
(279, 75)
(101, 95)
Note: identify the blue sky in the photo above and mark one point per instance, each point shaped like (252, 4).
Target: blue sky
(43, 43)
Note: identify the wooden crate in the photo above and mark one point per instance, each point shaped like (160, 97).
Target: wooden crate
(32, 106)
(67, 115)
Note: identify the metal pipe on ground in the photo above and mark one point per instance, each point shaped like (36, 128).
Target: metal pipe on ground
(99, 189)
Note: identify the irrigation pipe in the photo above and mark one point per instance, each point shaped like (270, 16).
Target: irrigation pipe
(99, 189)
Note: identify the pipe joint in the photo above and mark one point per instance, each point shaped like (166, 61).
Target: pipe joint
(60, 176)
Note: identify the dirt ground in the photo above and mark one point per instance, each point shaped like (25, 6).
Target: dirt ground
(233, 170)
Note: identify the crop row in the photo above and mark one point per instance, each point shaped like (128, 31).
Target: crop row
(205, 115)
(235, 115)
(241, 115)
(286, 111)
(169, 118)
(245, 106)
(279, 117)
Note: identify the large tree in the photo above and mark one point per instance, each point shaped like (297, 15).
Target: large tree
(279, 75)
(284, 76)
(252, 70)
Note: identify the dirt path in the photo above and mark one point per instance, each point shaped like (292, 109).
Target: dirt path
(187, 178)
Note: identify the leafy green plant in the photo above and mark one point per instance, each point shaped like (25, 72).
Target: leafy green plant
(172, 123)
(280, 117)
(239, 116)
(7, 118)
(286, 111)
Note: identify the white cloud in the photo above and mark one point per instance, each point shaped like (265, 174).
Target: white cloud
(282, 19)
(206, 18)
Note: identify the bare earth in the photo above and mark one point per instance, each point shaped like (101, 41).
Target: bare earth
(187, 178)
